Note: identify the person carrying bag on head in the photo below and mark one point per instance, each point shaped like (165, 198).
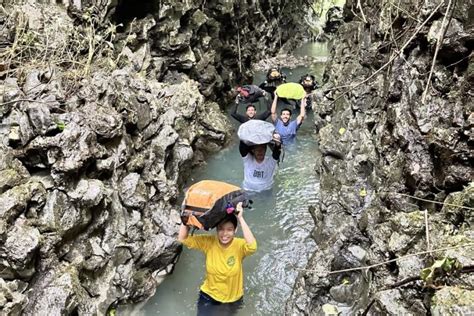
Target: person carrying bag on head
(222, 291)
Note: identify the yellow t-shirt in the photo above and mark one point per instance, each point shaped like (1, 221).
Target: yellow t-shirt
(224, 274)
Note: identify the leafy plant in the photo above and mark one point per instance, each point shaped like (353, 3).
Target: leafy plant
(439, 268)
(345, 281)
(60, 125)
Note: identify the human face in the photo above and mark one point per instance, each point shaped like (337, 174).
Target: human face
(259, 152)
(225, 233)
(250, 112)
(285, 116)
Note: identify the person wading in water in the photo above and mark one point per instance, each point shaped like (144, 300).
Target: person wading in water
(222, 291)
(284, 126)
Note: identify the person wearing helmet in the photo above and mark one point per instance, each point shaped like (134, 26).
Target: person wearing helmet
(274, 78)
(309, 84)
(275, 74)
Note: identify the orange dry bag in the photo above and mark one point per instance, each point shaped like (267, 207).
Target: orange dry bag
(208, 202)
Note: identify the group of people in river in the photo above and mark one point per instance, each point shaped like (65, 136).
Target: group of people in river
(222, 290)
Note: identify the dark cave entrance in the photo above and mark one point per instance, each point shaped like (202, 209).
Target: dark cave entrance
(127, 10)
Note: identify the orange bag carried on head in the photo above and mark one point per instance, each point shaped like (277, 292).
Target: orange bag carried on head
(207, 202)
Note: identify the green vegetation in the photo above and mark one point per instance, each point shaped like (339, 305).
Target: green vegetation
(440, 268)
(60, 125)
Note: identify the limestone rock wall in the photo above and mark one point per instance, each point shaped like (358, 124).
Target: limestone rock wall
(213, 42)
(383, 148)
(104, 110)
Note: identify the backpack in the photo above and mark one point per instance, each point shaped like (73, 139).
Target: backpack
(250, 93)
(208, 202)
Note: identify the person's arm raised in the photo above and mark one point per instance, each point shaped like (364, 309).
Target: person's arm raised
(276, 149)
(302, 115)
(183, 232)
(274, 107)
(244, 149)
(248, 236)
(268, 103)
(239, 117)
(236, 104)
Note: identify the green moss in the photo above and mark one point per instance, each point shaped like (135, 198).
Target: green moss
(199, 18)
(180, 124)
(20, 192)
(416, 216)
(457, 240)
(453, 296)
(8, 175)
(414, 219)
(141, 276)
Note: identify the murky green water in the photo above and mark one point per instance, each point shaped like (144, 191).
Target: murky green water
(279, 219)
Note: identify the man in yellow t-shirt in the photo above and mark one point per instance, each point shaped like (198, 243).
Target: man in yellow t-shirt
(222, 291)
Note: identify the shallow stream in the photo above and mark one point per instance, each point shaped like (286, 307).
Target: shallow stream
(279, 220)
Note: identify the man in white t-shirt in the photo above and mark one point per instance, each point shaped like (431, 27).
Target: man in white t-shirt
(259, 169)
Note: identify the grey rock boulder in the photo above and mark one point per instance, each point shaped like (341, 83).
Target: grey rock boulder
(14, 202)
(133, 191)
(19, 249)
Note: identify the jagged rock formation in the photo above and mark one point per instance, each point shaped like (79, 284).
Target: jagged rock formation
(333, 20)
(99, 126)
(214, 42)
(381, 143)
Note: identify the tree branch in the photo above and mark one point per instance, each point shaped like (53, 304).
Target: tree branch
(444, 28)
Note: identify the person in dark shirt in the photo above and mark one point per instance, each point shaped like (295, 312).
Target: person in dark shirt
(250, 113)
(274, 78)
(309, 84)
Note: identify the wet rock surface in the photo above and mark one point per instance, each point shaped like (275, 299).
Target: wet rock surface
(288, 60)
(93, 193)
(213, 43)
(98, 134)
(334, 19)
(395, 167)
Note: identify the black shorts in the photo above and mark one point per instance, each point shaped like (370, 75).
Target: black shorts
(207, 306)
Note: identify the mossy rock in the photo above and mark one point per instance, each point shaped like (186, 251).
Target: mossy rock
(457, 204)
(9, 178)
(409, 223)
(452, 301)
